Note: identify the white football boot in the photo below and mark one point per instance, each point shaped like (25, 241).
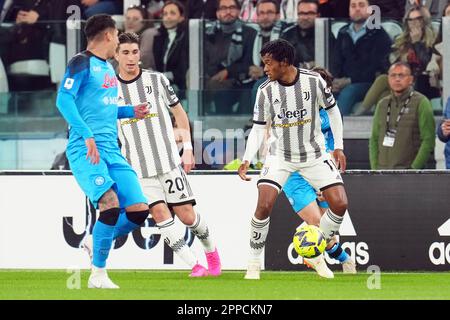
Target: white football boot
(319, 264)
(349, 266)
(99, 280)
(253, 269)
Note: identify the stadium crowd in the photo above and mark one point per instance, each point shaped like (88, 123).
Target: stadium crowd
(234, 32)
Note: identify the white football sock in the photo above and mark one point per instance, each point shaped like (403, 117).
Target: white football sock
(175, 240)
(258, 234)
(330, 223)
(201, 231)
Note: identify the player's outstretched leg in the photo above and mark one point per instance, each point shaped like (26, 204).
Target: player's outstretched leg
(128, 221)
(197, 224)
(175, 239)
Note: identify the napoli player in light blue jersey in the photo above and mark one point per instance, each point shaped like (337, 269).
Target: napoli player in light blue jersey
(87, 99)
(304, 199)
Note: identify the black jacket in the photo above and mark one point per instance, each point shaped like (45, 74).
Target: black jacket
(178, 57)
(216, 50)
(304, 44)
(362, 60)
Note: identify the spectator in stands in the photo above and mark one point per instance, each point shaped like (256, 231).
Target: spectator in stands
(270, 28)
(414, 46)
(403, 130)
(443, 132)
(392, 9)
(360, 52)
(435, 7)
(302, 35)
(228, 56)
(170, 48)
(202, 9)
(137, 21)
(93, 7)
(27, 40)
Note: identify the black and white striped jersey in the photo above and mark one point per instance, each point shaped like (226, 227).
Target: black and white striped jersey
(149, 144)
(293, 113)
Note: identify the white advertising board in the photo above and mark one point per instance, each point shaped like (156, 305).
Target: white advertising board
(35, 208)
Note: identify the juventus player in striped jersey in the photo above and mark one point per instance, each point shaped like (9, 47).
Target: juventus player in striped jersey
(290, 100)
(149, 145)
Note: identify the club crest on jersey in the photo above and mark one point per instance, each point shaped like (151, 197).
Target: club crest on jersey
(99, 181)
(286, 114)
(148, 89)
(109, 82)
(306, 95)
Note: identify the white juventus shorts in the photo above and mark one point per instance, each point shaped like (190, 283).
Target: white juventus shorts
(172, 188)
(321, 173)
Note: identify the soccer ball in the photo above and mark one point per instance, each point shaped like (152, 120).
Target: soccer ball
(309, 241)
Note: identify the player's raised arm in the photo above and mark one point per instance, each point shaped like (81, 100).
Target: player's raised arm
(182, 121)
(257, 133)
(327, 99)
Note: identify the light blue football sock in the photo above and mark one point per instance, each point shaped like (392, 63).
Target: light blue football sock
(336, 252)
(102, 237)
(123, 225)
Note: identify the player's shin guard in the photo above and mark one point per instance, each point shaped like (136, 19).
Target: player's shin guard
(336, 252)
(201, 231)
(259, 230)
(330, 223)
(175, 240)
(103, 236)
(128, 221)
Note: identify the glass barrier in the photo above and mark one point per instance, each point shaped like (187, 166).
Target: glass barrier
(32, 132)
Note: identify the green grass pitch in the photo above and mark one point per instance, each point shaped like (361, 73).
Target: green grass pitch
(176, 285)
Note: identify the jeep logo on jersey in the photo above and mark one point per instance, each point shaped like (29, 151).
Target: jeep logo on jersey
(109, 82)
(439, 252)
(286, 114)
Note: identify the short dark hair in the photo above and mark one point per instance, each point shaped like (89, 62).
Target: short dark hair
(128, 37)
(316, 2)
(178, 4)
(274, 2)
(237, 2)
(401, 64)
(280, 50)
(97, 24)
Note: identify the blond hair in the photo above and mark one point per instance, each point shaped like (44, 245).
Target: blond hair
(402, 42)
